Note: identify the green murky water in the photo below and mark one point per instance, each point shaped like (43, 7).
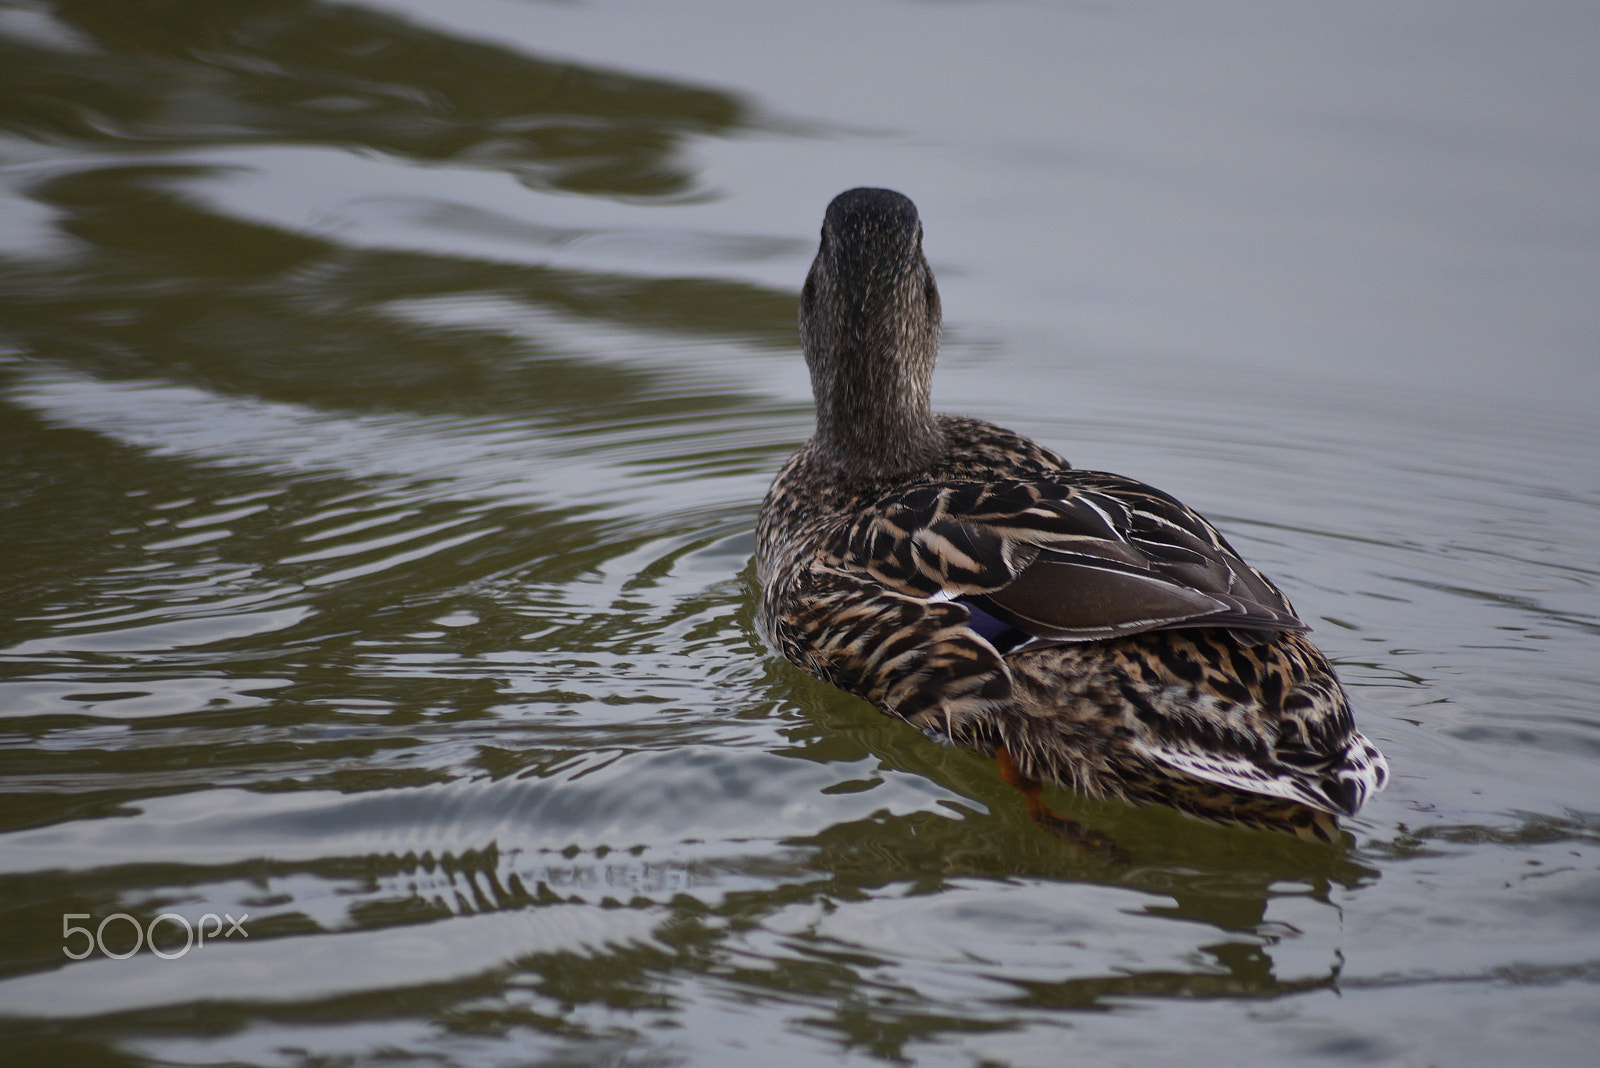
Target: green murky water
(387, 391)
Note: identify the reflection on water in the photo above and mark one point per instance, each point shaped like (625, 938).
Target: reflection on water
(145, 74)
(377, 568)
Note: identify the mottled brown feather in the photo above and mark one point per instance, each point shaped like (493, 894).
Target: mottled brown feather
(963, 578)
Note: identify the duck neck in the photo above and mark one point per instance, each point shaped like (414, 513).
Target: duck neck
(876, 422)
(869, 324)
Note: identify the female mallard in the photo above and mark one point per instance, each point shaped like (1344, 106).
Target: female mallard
(1086, 628)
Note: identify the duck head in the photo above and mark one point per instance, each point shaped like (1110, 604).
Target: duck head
(869, 325)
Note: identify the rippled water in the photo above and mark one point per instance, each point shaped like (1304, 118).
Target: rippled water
(387, 391)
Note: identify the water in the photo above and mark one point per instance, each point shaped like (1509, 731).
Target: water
(387, 392)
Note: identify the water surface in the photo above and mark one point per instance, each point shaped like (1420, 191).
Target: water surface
(387, 391)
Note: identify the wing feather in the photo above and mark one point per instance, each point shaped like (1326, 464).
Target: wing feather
(1080, 558)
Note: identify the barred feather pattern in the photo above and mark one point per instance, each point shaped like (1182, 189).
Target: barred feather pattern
(973, 583)
(1230, 714)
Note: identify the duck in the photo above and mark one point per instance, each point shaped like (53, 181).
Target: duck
(1084, 629)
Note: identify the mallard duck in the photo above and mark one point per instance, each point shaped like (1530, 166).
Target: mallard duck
(1087, 629)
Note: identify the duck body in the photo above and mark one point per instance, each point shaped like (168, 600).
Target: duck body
(1088, 628)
